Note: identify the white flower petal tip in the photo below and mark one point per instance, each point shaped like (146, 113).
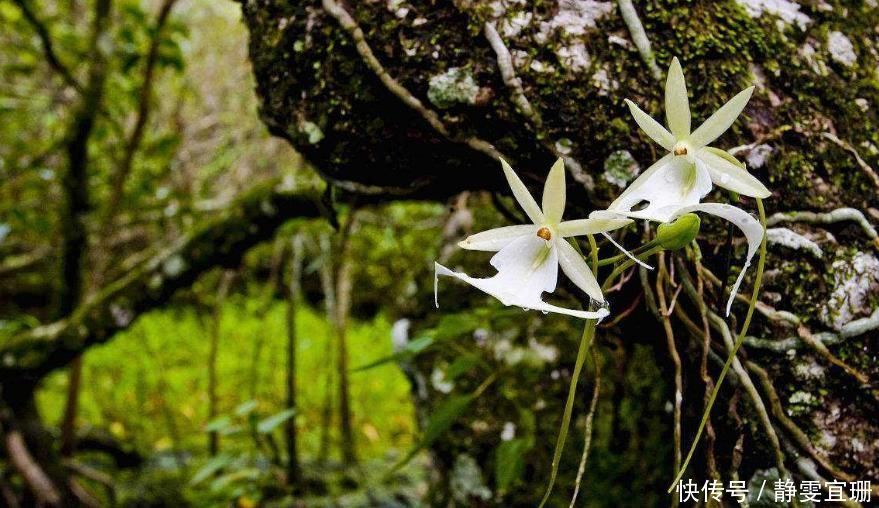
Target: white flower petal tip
(722, 119)
(594, 225)
(496, 239)
(651, 127)
(627, 253)
(727, 172)
(577, 270)
(554, 193)
(522, 195)
(746, 222)
(677, 105)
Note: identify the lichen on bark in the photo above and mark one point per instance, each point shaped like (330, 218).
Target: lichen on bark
(810, 133)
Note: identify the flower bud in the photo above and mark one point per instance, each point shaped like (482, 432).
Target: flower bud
(676, 235)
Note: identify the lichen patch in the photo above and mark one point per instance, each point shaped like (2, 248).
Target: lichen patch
(455, 86)
(855, 289)
(841, 49)
(787, 11)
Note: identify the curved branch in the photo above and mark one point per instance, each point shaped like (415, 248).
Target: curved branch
(350, 25)
(221, 241)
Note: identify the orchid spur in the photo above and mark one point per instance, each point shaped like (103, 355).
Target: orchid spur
(528, 256)
(675, 184)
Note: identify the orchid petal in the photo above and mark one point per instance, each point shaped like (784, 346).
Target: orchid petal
(750, 226)
(496, 239)
(520, 192)
(528, 265)
(677, 106)
(537, 304)
(651, 127)
(636, 188)
(554, 193)
(722, 119)
(583, 314)
(526, 268)
(591, 226)
(577, 270)
(731, 176)
(666, 188)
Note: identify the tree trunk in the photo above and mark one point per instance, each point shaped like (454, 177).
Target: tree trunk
(420, 100)
(213, 354)
(343, 309)
(294, 472)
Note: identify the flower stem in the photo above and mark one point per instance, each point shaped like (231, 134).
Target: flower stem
(585, 344)
(732, 354)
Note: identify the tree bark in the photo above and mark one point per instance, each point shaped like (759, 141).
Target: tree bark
(420, 100)
(219, 241)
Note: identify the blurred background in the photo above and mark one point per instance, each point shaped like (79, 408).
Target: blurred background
(190, 404)
(194, 313)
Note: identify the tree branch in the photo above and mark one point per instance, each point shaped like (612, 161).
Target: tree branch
(221, 241)
(48, 46)
(119, 177)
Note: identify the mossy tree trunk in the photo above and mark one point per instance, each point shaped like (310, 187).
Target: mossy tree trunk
(404, 99)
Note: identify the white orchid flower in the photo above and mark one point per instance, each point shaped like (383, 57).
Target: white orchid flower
(676, 183)
(686, 174)
(528, 256)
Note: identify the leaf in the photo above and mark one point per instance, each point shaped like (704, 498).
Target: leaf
(246, 407)
(454, 325)
(270, 423)
(440, 421)
(218, 424)
(248, 474)
(460, 366)
(212, 466)
(449, 327)
(509, 461)
(411, 349)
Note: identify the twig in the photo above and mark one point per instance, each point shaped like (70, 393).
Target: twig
(838, 215)
(517, 94)
(639, 37)
(120, 175)
(508, 74)
(851, 329)
(825, 353)
(665, 312)
(703, 364)
(849, 148)
(720, 325)
(48, 46)
(431, 117)
(37, 480)
(590, 416)
(795, 432)
(782, 316)
(619, 316)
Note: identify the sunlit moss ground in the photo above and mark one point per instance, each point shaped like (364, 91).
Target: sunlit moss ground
(149, 386)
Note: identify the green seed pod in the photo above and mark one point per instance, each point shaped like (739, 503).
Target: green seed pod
(678, 234)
